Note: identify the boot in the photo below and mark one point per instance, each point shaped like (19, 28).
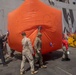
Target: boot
(43, 66)
(63, 59)
(34, 72)
(21, 73)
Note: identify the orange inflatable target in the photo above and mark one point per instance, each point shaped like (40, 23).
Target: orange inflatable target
(27, 18)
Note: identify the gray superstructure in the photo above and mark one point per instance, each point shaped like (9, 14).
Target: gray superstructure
(68, 13)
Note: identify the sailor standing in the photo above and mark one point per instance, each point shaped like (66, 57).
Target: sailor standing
(27, 54)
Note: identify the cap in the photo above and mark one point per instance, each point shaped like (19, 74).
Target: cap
(23, 33)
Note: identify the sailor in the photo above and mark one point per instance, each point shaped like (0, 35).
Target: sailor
(38, 47)
(65, 50)
(27, 54)
(3, 38)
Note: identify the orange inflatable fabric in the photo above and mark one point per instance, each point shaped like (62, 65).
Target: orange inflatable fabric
(27, 18)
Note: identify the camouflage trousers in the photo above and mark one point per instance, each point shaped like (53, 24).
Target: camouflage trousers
(26, 54)
(65, 55)
(38, 58)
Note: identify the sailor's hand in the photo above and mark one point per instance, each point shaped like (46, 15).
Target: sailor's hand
(38, 51)
(39, 28)
(7, 33)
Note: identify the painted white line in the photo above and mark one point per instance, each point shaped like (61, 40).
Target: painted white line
(64, 71)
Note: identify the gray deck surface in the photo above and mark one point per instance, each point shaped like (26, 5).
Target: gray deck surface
(53, 61)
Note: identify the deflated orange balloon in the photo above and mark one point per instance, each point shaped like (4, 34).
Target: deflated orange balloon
(27, 18)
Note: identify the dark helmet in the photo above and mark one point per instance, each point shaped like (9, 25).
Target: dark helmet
(23, 34)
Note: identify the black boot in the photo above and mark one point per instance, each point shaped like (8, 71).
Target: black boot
(67, 59)
(5, 65)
